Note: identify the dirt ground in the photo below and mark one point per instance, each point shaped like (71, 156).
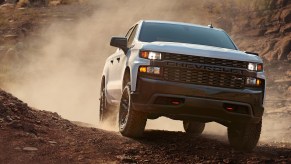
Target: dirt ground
(29, 135)
(33, 136)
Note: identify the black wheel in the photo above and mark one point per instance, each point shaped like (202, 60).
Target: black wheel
(244, 137)
(193, 127)
(131, 123)
(104, 107)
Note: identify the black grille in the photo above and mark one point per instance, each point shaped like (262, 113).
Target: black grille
(205, 60)
(203, 78)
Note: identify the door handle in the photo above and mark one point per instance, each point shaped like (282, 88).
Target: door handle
(118, 59)
(111, 61)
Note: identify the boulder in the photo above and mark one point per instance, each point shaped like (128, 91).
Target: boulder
(285, 48)
(286, 15)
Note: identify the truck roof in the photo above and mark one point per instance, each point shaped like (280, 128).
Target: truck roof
(179, 23)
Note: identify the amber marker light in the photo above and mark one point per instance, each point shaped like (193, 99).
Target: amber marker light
(144, 54)
(258, 82)
(260, 67)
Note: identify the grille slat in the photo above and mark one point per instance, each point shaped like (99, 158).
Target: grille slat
(205, 60)
(202, 78)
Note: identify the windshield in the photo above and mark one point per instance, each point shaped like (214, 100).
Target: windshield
(167, 32)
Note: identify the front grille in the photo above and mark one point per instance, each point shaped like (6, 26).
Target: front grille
(203, 78)
(205, 60)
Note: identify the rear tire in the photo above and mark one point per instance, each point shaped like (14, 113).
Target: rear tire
(193, 127)
(131, 123)
(244, 137)
(105, 109)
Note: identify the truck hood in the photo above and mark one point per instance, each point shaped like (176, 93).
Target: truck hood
(200, 50)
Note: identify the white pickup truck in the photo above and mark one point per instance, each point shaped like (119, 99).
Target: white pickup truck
(185, 72)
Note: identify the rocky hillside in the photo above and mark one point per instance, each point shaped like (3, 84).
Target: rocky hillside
(264, 27)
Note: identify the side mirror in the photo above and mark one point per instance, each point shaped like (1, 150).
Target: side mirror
(119, 42)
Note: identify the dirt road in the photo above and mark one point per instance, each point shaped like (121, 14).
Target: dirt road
(33, 136)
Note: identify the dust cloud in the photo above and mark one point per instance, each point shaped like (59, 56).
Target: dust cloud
(66, 59)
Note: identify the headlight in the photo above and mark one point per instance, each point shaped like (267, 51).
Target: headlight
(255, 67)
(150, 70)
(151, 55)
(250, 81)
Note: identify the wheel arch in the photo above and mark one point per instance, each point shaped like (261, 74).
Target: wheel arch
(103, 81)
(126, 77)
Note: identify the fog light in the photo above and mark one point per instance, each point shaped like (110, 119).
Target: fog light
(157, 70)
(143, 69)
(150, 70)
(250, 81)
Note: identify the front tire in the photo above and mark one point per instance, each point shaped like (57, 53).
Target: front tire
(131, 123)
(244, 137)
(193, 127)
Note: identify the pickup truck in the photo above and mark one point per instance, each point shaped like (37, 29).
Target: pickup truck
(192, 73)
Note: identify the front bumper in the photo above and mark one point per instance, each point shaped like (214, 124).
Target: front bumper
(202, 103)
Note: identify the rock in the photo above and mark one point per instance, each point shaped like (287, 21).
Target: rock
(285, 48)
(55, 2)
(286, 28)
(9, 119)
(272, 30)
(16, 125)
(286, 15)
(53, 142)
(9, 37)
(17, 148)
(30, 149)
(7, 6)
(23, 3)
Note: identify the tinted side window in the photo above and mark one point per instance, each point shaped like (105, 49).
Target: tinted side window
(130, 40)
